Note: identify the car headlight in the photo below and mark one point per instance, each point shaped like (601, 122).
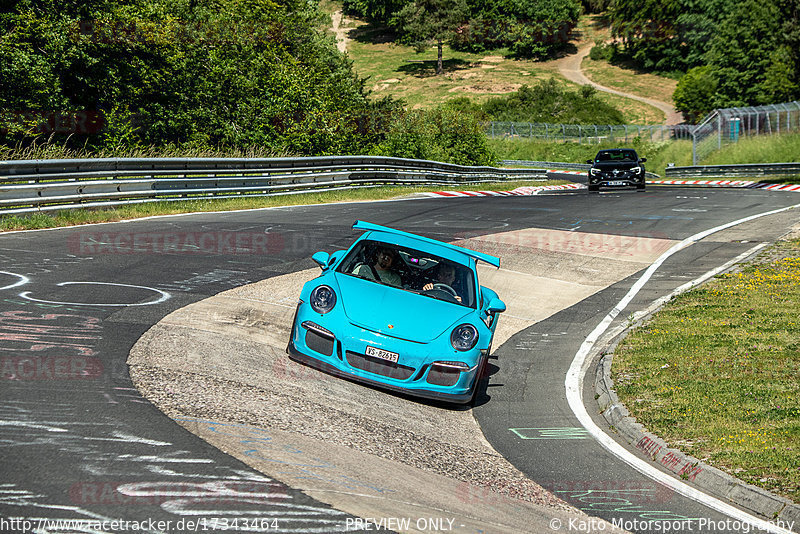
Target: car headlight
(464, 337)
(594, 172)
(322, 299)
(636, 170)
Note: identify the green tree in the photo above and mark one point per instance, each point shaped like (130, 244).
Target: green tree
(543, 27)
(780, 79)
(788, 59)
(670, 35)
(431, 22)
(229, 73)
(380, 11)
(220, 74)
(741, 52)
(694, 95)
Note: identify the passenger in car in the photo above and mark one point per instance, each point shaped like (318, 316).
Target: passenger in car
(382, 267)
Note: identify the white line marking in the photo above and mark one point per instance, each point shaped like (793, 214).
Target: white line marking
(33, 425)
(22, 280)
(127, 438)
(581, 362)
(164, 295)
(160, 460)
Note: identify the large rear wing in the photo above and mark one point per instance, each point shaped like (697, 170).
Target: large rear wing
(366, 226)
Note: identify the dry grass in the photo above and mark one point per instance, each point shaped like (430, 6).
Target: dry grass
(398, 71)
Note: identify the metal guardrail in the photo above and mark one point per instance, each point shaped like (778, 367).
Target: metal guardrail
(547, 164)
(734, 171)
(48, 185)
(562, 165)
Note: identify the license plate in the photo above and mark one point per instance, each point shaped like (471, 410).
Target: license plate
(616, 182)
(382, 354)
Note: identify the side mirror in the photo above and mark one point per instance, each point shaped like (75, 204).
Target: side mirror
(496, 306)
(335, 257)
(322, 259)
(589, 161)
(642, 159)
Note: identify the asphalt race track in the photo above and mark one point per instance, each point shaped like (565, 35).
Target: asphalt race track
(79, 441)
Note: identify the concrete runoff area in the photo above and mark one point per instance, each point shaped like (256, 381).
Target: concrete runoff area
(219, 368)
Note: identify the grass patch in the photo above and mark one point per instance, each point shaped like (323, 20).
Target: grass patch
(715, 373)
(677, 152)
(776, 148)
(622, 77)
(42, 148)
(398, 71)
(633, 111)
(630, 80)
(762, 149)
(534, 150)
(88, 216)
(658, 154)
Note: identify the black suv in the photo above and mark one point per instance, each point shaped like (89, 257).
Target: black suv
(616, 167)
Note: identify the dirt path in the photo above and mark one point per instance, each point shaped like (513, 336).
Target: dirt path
(338, 30)
(570, 68)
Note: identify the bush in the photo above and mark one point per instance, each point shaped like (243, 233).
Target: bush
(602, 51)
(440, 134)
(694, 94)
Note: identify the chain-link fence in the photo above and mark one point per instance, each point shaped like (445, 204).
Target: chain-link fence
(585, 133)
(725, 126)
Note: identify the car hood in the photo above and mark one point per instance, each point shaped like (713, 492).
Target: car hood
(397, 313)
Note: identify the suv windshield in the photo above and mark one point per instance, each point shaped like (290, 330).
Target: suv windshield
(411, 270)
(621, 155)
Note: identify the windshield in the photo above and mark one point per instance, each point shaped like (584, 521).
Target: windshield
(622, 155)
(411, 270)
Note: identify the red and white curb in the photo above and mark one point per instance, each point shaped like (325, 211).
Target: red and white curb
(518, 192)
(747, 184)
(576, 173)
(535, 190)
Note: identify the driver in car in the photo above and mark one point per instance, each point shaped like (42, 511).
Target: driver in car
(443, 274)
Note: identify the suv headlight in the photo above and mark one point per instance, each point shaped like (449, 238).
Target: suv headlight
(464, 337)
(594, 172)
(636, 170)
(322, 299)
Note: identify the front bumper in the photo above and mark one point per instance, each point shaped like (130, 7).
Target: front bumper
(344, 357)
(620, 179)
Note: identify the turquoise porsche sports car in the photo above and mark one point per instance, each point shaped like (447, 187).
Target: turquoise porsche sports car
(399, 311)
